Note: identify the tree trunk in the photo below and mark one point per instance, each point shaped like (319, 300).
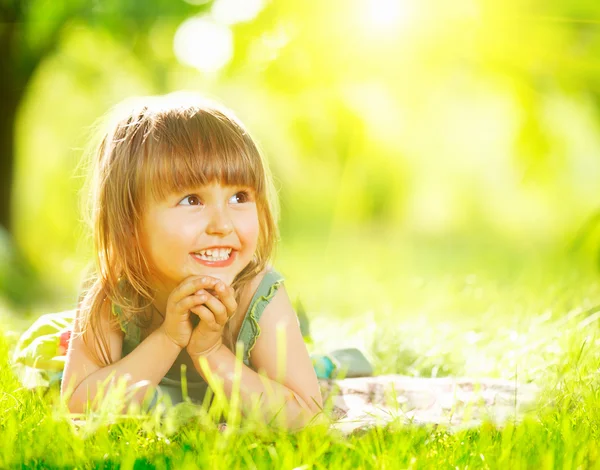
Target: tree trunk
(15, 72)
(7, 139)
(10, 93)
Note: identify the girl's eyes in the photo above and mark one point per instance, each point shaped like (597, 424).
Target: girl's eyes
(244, 196)
(194, 200)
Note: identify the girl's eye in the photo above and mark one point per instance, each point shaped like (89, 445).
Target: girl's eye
(192, 200)
(242, 197)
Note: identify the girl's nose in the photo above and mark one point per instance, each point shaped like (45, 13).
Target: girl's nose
(219, 222)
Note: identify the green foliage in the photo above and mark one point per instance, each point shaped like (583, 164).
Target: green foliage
(19, 282)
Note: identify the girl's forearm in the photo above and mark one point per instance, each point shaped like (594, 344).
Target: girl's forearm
(273, 398)
(149, 362)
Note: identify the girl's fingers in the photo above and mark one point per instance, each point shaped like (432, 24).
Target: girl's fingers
(215, 305)
(207, 317)
(227, 296)
(192, 284)
(193, 292)
(185, 305)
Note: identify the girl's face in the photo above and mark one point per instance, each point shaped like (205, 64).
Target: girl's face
(177, 232)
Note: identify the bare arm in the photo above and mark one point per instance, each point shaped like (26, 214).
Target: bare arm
(149, 361)
(273, 399)
(294, 391)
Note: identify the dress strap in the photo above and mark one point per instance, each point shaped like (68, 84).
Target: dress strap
(250, 330)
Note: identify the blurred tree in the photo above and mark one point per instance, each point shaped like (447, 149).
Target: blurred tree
(30, 32)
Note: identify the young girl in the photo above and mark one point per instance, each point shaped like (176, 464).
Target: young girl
(184, 226)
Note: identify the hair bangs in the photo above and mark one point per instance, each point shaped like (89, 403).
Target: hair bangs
(198, 151)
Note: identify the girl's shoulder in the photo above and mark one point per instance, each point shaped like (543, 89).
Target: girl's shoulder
(266, 277)
(257, 295)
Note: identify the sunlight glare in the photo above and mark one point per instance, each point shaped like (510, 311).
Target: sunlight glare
(387, 14)
(236, 11)
(202, 44)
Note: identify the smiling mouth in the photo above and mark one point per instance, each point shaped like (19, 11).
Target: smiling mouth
(215, 255)
(217, 260)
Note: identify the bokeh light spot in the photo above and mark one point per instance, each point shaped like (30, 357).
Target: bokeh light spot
(203, 44)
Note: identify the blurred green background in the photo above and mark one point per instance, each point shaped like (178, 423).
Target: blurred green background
(412, 141)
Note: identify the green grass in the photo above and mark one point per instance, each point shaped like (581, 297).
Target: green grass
(427, 311)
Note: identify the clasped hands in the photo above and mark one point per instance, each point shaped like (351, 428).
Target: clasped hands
(214, 304)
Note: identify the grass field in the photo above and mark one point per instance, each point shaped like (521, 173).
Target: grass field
(460, 309)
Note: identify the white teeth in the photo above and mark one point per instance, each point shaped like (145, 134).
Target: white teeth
(217, 254)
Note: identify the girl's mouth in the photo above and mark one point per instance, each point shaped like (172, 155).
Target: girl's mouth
(215, 262)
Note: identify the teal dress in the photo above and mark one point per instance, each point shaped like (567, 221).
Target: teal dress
(171, 384)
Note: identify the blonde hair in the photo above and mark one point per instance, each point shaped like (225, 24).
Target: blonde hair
(154, 146)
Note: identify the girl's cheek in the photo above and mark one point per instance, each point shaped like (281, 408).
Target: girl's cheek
(182, 230)
(250, 225)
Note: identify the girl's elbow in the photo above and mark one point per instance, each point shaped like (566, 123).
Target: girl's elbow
(311, 411)
(74, 405)
(307, 417)
(70, 396)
